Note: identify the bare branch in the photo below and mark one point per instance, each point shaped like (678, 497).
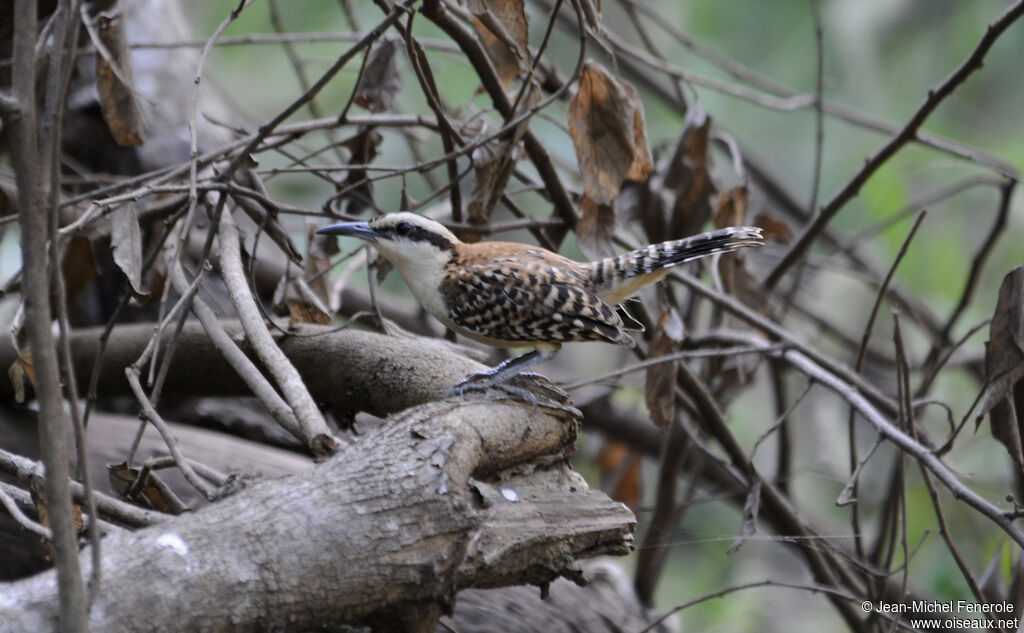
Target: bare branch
(311, 422)
(905, 135)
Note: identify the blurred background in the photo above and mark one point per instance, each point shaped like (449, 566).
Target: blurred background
(754, 70)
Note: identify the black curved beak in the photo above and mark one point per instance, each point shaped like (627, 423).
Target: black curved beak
(361, 230)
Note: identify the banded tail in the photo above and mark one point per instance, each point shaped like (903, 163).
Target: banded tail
(618, 278)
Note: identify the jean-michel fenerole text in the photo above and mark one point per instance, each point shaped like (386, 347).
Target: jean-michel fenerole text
(936, 606)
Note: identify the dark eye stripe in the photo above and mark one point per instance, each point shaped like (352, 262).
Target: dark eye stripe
(416, 233)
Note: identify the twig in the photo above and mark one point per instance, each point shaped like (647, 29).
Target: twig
(311, 422)
(436, 11)
(811, 588)
(158, 423)
(267, 128)
(665, 518)
(905, 442)
(819, 112)
(670, 358)
(859, 367)
(978, 262)
(905, 135)
(236, 358)
(115, 509)
(739, 310)
(20, 517)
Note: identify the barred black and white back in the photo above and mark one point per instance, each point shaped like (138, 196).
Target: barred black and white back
(618, 278)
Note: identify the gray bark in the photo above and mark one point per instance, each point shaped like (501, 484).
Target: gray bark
(446, 496)
(345, 370)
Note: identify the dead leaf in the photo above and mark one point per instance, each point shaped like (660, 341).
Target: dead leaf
(383, 267)
(126, 241)
(151, 493)
(503, 30)
(298, 299)
(688, 176)
(595, 229)
(607, 127)
(493, 164)
(643, 162)
(731, 211)
(1003, 396)
(114, 79)
(79, 267)
(732, 208)
(772, 228)
(44, 514)
(618, 466)
(356, 190)
(381, 80)
(20, 371)
(750, 508)
(302, 312)
(660, 388)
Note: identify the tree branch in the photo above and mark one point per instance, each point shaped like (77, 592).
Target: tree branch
(417, 510)
(904, 136)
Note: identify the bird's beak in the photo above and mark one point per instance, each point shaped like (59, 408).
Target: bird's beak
(361, 230)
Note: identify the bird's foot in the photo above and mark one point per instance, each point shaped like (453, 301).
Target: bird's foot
(525, 387)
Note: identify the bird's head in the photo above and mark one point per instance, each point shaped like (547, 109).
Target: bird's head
(402, 238)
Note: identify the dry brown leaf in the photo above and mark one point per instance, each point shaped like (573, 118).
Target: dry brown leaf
(606, 124)
(731, 211)
(494, 162)
(358, 191)
(1003, 396)
(732, 208)
(318, 261)
(492, 167)
(618, 466)
(503, 30)
(302, 312)
(20, 371)
(595, 229)
(152, 493)
(114, 81)
(660, 388)
(688, 176)
(381, 80)
(79, 267)
(44, 515)
(643, 162)
(772, 228)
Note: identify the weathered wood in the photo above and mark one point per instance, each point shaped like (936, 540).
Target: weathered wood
(345, 370)
(446, 496)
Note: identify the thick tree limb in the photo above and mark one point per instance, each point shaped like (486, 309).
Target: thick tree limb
(412, 513)
(345, 370)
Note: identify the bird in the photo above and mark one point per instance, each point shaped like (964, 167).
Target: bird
(509, 294)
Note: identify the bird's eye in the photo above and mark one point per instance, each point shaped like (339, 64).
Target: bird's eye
(403, 228)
